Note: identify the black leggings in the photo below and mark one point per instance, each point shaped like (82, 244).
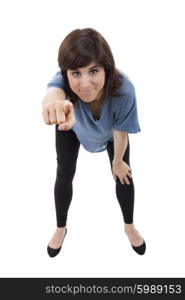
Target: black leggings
(67, 148)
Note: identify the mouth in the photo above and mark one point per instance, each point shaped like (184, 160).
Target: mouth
(87, 92)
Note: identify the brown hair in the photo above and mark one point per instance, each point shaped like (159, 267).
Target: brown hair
(82, 47)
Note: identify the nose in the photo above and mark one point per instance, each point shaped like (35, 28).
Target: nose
(85, 83)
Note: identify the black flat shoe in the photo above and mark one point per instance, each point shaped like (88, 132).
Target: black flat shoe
(53, 252)
(140, 249)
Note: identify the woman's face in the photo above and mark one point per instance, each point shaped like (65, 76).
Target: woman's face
(87, 82)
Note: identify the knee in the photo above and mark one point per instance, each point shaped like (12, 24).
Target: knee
(125, 185)
(65, 173)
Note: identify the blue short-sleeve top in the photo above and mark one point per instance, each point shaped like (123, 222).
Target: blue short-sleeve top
(118, 113)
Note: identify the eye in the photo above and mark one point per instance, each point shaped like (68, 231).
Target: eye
(94, 71)
(76, 74)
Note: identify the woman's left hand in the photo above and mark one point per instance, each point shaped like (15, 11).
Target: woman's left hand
(121, 170)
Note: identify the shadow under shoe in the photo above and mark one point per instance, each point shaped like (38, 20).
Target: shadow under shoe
(53, 252)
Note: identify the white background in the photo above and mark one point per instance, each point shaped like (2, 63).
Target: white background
(147, 40)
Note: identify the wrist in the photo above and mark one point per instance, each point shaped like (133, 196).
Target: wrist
(116, 161)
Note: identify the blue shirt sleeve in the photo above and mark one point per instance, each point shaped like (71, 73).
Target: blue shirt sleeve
(56, 81)
(126, 118)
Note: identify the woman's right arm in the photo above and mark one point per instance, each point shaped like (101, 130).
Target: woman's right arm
(52, 94)
(57, 110)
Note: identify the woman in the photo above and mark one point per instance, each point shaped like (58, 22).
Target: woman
(100, 112)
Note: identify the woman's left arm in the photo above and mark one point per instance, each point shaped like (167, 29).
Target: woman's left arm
(120, 144)
(119, 167)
